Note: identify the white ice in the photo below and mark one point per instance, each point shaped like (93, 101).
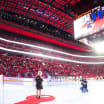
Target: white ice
(64, 94)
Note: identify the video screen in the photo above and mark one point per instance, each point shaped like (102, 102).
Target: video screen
(89, 24)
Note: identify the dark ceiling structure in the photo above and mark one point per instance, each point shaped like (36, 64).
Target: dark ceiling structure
(48, 16)
(54, 12)
(86, 5)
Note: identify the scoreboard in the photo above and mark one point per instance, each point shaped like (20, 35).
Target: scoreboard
(89, 23)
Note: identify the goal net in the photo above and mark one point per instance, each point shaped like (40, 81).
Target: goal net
(1, 81)
(1, 89)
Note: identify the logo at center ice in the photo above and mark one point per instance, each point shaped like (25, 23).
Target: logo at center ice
(33, 100)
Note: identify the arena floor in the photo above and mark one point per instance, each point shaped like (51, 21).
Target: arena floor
(53, 94)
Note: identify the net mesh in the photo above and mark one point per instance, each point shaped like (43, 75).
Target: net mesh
(1, 81)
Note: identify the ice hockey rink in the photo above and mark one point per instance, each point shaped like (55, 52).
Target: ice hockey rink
(53, 93)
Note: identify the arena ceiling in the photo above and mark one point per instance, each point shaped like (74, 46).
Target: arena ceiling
(57, 13)
(54, 12)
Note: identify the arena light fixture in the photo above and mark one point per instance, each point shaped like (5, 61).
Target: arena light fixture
(98, 47)
(49, 57)
(52, 50)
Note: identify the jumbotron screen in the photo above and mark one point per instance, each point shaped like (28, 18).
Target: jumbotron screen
(89, 23)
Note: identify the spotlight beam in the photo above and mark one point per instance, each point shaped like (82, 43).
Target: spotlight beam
(49, 57)
(30, 45)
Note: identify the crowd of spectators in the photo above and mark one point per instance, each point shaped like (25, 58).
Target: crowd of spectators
(22, 65)
(36, 49)
(14, 65)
